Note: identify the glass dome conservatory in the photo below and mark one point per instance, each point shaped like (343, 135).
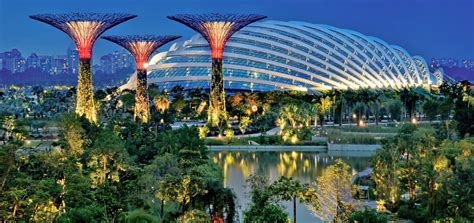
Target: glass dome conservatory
(273, 55)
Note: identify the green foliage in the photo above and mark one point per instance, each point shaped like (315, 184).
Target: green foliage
(333, 189)
(367, 216)
(433, 174)
(293, 120)
(339, 137)
(138, 216)
(203, 131)
(90, 177)
(194, 216)
(262, 209)
(416, 214)
(244, 123)
(229, 134)
(107, 159)
(393, 107)
(287, 189)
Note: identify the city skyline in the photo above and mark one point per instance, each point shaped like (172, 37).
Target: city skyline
(15, 61)
(431, 29)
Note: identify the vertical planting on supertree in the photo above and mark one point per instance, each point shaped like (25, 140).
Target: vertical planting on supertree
(141, 47)
(217, 29)
(84, 29)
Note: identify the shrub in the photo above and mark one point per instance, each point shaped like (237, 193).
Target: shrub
(368, 216)
(416, 214)
(203, 130)
(229, 134)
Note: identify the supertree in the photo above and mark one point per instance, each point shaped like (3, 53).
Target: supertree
(84, 29)
(217, 30)
(141, 47)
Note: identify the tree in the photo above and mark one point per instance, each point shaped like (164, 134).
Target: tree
(368, 216)
(243, 123)
(72, 135)
(324, 105)
(181, 188)
(288, 189)
(161, 102)
(293, 121)
(203, 131)
(107, 159)
(262, 209)
(333, 192)
(193, 216)
(431, 108)
(229, 134)
(393, 107)
(178, 105)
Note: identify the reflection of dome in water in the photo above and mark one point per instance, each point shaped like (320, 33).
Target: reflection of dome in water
(274, 55)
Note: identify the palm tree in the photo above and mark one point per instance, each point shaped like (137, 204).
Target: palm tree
(161, 102)
(376, 97)
(324, 106)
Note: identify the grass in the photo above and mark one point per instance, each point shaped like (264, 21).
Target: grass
(340, 137)
(370, 129)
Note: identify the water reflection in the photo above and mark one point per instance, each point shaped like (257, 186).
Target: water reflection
(304, 166)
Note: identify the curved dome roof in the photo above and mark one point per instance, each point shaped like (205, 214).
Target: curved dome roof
(274, 55)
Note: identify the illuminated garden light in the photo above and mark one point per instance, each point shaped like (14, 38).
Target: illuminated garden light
(141, 47)
(217, 30)
(84, 29)
(254, 108)
(414, 121)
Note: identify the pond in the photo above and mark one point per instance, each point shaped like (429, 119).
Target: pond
(303, 166)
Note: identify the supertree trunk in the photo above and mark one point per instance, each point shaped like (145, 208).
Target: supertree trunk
(142, 109)
(217, 29)
(141, 47)
(85, 95)
(217, 111)
(84, 29)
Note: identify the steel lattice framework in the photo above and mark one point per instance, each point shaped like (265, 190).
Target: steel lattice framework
(273, 55)
(217, 30)
(84, 29)
(141, 47)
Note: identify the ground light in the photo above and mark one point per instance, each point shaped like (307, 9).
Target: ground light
(141, 47)
(84, 29)
(217, 30)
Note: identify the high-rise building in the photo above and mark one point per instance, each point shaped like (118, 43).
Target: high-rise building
(72, 60)
(60, 64)
(32, 61)
(45, 63)
(13, 61)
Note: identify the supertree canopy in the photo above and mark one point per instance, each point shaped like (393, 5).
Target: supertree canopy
(141, 47)
(84, 29)
(217, 30)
